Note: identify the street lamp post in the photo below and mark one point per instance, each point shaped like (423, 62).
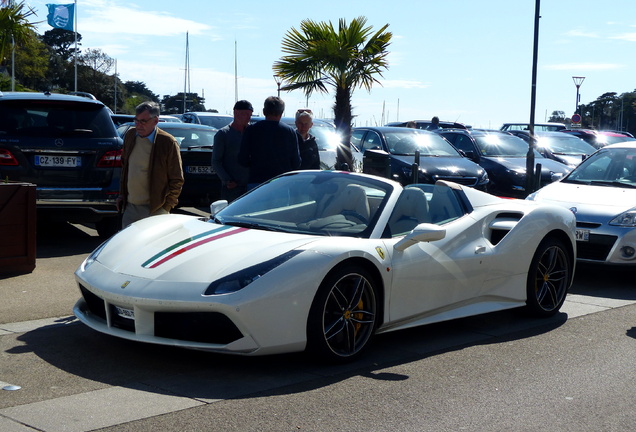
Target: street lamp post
(278, 82)
(530, 169)
(577, 82)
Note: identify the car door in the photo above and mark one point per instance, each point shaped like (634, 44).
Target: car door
(439, 276)
(367, 140)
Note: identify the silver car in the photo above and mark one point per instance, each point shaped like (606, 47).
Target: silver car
(601, 192)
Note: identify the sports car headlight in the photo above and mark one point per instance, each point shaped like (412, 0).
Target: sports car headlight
(241, 279)
(93, 256)
(627, 219)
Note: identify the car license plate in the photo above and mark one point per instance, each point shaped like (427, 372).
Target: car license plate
(58, 161)
(125, 313)
(200, 170)
(582, 235)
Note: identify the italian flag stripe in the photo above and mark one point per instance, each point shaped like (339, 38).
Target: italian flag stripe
(189, 244)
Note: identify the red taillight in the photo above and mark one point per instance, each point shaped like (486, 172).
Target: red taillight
(111, 159)
(7, 158)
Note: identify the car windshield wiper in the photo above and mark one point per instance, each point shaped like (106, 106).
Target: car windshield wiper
(253, 225)
(614, 183)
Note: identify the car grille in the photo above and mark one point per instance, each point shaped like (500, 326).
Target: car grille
(466, 181)
(205, 327)
(597, 248)
(95, 305)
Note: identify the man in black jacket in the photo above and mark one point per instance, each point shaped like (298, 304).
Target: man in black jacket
(269, 147)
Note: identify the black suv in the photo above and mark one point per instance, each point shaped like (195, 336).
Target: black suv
(503, 156)
(69, 148)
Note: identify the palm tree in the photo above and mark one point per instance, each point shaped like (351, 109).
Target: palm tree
(14, 26)
(319, 55)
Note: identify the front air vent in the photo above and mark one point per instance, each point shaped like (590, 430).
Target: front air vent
(502, 224)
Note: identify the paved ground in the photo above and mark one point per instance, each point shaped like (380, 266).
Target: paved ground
(499, 372)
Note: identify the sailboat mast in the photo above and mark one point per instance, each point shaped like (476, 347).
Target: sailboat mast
(186, 79)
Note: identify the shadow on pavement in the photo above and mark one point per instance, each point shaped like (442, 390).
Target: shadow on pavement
(76, 350)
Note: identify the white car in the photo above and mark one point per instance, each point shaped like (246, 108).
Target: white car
(601, 192)
(323, 260)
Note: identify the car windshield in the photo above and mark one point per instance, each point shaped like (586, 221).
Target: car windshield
(326, 137)
(311, 202)
(408, 141)
(608, 167)
(215, 121)
(612, 139)
(191, 138)
(565, 144)
(503, 145)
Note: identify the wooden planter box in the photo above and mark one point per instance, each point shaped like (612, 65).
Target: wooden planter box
(17, 227)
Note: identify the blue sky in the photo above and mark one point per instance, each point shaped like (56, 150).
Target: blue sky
(462, 60)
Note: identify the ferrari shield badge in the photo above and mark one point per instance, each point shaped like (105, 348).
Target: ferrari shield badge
(380, 251)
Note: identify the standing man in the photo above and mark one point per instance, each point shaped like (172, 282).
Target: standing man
(308, 148)
(227, 143)
(151, 175)
(269, 147)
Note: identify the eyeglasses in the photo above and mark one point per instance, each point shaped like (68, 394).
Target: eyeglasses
(144, 121)
(304, 110)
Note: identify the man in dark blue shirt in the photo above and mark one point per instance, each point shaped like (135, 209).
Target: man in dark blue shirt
(269, 147)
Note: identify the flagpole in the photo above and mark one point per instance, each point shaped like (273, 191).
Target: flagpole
(75, 28)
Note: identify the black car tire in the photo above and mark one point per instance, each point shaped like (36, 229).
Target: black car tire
(549, 278)
(344, 315)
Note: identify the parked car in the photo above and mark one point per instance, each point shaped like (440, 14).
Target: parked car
(327, 139)
(169, 118)
(503, 156)
(206, 118)
(68, 147)
(424, 124)
(322, 261)
(201, 184)
(538, 127)
(395, 147)
(601, 192)
(564, 148)
(598, 139)
(119, 119)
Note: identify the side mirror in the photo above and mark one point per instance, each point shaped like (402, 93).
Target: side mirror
(422, 233)
(471, 155)
(217, 206)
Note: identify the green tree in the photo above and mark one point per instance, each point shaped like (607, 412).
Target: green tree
(15, 27)
(558, 117)
(174, 104)
(62, 42)
(93, 74)
(31, 64)
(139, 88)
(320, 55)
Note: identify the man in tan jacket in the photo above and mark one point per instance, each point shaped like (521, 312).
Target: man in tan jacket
(151, 176)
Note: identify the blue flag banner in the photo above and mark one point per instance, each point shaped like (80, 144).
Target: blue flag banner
(61, 16)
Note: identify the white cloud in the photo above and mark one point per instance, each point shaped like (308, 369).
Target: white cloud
(99, 16)
(580, 33)
(629, 37)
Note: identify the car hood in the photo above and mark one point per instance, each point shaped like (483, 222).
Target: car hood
(442, 165)
(569, 159)
(519, 163)
(588, 199)
(164, 247)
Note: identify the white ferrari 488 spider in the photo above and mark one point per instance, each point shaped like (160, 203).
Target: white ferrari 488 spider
(322, 261)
